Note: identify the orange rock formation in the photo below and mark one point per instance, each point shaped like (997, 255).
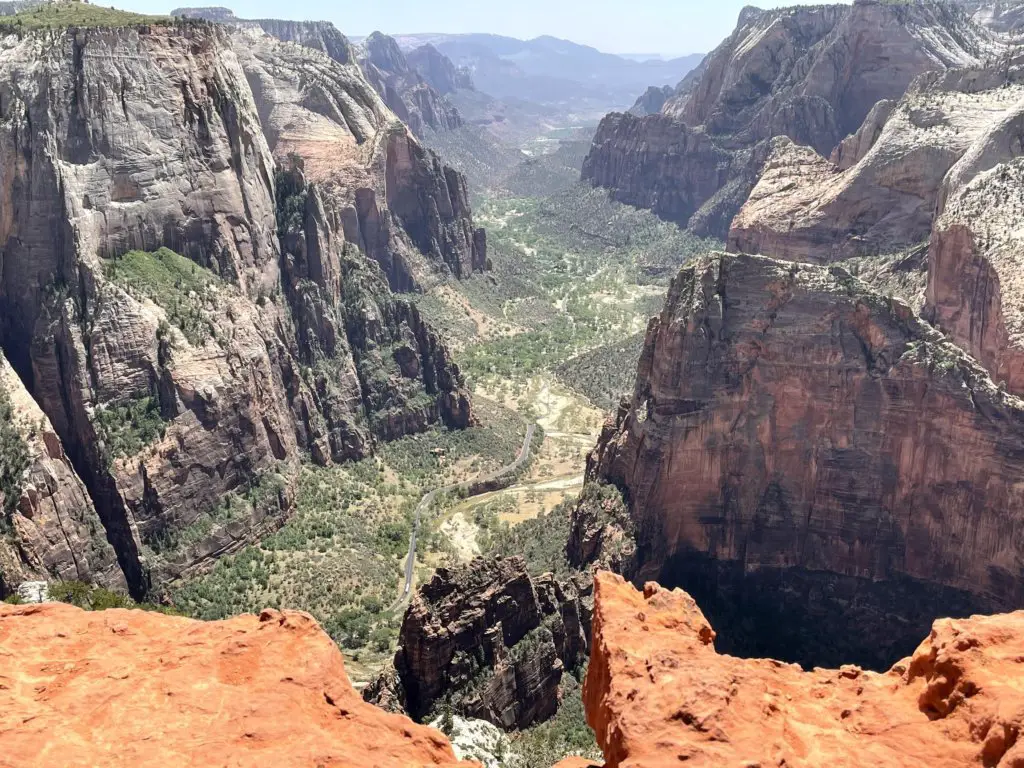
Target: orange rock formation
(657, 694)
(130, 688)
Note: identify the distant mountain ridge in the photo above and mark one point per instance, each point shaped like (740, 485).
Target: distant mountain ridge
(549, 70)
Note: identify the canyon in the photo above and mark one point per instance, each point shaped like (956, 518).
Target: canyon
(252, 328)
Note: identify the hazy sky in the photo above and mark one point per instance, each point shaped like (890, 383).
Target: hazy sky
(617, 26)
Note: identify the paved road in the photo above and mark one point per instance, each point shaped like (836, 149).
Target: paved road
(428, 500)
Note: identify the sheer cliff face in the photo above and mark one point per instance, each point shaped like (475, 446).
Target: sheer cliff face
(812, 74)
(489, 639)
(793, 434)
(658, 693)
(54, 531)
(386, 194)
(184, 385)
(941, 166)
(975, 279)
(881, 188)
(407, 92)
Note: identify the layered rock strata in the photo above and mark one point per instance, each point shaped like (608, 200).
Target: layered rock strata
(490, 641)
(406, 91)
(657, 693)
(821, 469)
(881, 188)
(267, 690)
(812, 74)
(185, 308)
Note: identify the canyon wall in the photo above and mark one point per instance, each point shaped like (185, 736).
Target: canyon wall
(490, 641)
(815, 464)
(192, 288)
(812, 74)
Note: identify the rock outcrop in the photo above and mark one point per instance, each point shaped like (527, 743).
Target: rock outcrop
(178, 298)
(975, 264)
(1004, 16)
(404, 89)
(267, 690)
(880, 190)
(652, 101)
(940, 167)
(822, 470)
(657, 694)
(53, 531)
(812, 74)
(491, 641)
(439, 71)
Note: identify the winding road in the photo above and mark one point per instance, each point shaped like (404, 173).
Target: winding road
(428, 500)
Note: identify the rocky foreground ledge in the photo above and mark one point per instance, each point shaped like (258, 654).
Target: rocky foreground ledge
(131, 688)
(658, 694)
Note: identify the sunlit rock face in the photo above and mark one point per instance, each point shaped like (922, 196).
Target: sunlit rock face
(812, 74)
(815, 464)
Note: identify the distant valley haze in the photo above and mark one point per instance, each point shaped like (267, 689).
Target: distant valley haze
(666, 28)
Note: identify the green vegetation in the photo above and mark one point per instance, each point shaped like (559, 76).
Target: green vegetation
(605, 374)
(541, 541)
(128, 428)
(58, 15)
(567, 733)
(442, 456)
(233, 507)
(338, 558)
(13, 455)
(187, 292)
(576, 278)
(92, 598)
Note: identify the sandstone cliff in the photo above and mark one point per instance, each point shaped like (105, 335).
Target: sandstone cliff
(821, 469)
(49, 528)
(975, 275)
(266, 691)
(652, 101)
(179, 299)
(404, 89)
(940, 166)
(384, 192)
(657, 694)
(810, 73)
(490, 640)
(881, 188)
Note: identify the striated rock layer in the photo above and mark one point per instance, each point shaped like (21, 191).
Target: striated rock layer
(942, 166)
(882, 187)
(130, 688)
(819, 468)
(491, 641)
(185, 384)
(55, 533)
(809, 73)
(658, 694)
